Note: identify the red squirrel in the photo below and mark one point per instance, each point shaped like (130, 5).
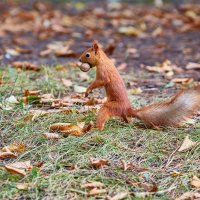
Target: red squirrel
(169, 113)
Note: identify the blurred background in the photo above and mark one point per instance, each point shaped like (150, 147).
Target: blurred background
(137, 32)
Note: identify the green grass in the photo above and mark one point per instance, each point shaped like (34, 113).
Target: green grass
(149, 148)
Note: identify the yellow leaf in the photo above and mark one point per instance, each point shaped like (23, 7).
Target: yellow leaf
(136, 91)
(175, 174)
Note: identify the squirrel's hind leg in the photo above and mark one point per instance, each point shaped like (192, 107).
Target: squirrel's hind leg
(103, 116)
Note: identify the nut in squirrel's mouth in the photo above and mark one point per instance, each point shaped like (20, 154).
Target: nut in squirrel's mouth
(85, 67)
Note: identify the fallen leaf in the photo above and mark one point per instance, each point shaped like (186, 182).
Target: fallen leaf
(189, 196)
(175, 174)
(15, 147)
(65, 52)
(12, 100)
(73, 130)
(91, 102)
(21, 165)
(118, 196)
(136, 91)
(87, 127)
(166, 68)
(192, 65)
(31, 92)
(59, 126)
(96, 191)
(14, 170)
(132, 166)
(93, 185)
(24, 186)
(67, 128)
(195, 182)
(26, 65)
(69, 166)
(34, 114)
(97, 163)
(38, 164)
(182, 80)
(4, 155)
(129, 30)
(51, 135)
(187, 144)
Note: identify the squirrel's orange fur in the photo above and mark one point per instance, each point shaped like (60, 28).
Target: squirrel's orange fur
(170, 113)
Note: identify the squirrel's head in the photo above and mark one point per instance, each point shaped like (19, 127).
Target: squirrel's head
(91, 55)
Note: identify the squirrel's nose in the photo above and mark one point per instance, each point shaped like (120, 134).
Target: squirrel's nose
(80, 60)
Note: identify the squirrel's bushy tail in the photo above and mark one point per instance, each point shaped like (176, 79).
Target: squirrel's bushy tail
(170, 113)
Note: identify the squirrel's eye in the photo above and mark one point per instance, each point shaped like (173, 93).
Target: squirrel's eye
(87, 55)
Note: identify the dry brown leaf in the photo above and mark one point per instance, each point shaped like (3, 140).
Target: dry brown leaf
(192, 65)
(97, 163)
(96, 191)
(65, 52)
(4, 155)
(45, 52)
(74, 130)
(38, 164)
(31, 92)
(118, 196)
(132, 166)
(187, 144)
(21, 165)
(67, 128)
(182, 80)
(59, 126)
(195, 182)
(166, 68)
(87, 127)
(93, 185)
(14, 170)
(51, 135)
(189, 196)
(15, 147)
(26, 65)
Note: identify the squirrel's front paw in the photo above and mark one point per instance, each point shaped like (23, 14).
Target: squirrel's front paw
(86, 94)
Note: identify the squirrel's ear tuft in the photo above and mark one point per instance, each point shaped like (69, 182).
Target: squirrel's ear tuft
(95, 46)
